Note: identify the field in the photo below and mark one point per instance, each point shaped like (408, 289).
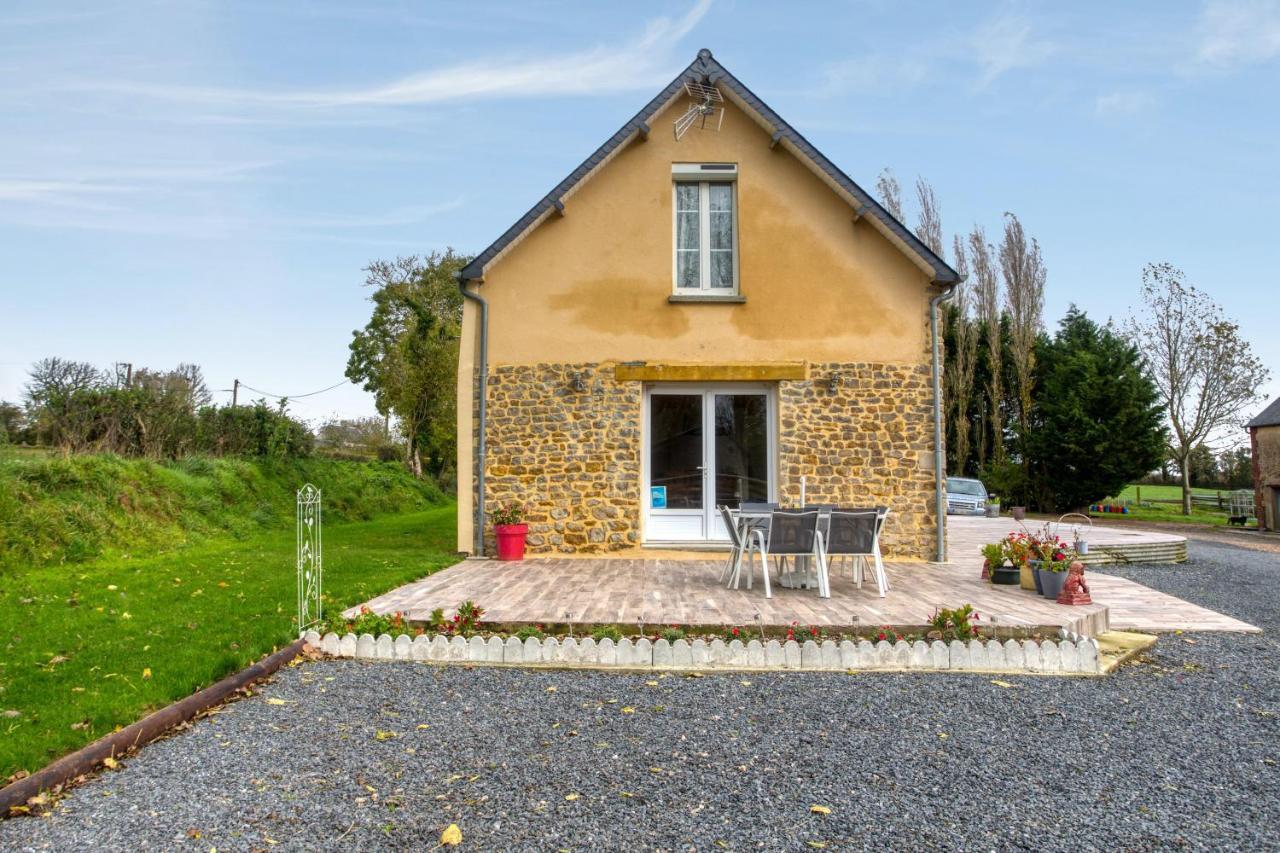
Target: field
(91, 647)
(1164, 512)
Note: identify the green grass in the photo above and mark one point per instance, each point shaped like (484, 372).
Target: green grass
(71, 510)
(1166, 512)
(78, 640)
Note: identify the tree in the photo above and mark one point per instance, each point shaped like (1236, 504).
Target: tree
(890, 193)
(407, 354)
(13, 423)
(1206, 373)
(1024, 280)
(987, 302)
(1097, 417)
(960, 364)
(929, 219)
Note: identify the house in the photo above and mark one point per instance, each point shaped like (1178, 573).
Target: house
(1264, 440)
(693, 320)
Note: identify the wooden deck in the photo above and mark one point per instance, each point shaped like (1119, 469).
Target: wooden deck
(681, 588)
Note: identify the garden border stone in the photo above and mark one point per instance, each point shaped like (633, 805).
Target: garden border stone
(1070, 656)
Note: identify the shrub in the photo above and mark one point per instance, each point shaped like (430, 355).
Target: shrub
(610, 631)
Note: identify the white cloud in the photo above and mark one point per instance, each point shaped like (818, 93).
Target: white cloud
(1004, 44)
(1123, 102)
(635, 64)
(1237, 32)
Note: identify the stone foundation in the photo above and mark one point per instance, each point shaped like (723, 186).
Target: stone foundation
(574, 456)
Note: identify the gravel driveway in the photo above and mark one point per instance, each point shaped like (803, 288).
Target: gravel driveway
(1181, 749)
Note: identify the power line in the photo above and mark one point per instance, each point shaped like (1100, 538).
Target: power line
(294, 396)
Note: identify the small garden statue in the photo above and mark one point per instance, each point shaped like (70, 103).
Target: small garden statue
(1075, 590)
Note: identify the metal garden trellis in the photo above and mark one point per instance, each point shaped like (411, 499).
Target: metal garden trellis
(310, 562)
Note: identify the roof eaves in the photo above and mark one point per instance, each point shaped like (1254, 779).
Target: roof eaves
(1270, 416)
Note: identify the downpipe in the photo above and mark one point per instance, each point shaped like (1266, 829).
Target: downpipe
(939, 451)
(483, 370)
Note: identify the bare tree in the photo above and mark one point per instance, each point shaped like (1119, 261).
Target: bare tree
(890, 193)
(1205, 372)
(960, 376)
(50, 377)
(929, 217)
(1024, 278)
(986, 293)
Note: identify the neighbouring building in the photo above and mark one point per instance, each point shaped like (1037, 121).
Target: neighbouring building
(1264, 439)
(706, 311)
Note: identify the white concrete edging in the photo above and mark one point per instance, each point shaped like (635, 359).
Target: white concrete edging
(1070, 656)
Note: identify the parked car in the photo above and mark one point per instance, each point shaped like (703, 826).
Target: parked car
(966, 496)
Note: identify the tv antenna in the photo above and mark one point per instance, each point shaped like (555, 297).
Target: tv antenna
(707, 106)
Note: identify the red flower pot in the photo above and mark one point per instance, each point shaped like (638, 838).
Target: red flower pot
(510, 540)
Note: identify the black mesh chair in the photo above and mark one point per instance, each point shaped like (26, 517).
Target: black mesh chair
(791, 533)
(852, 534)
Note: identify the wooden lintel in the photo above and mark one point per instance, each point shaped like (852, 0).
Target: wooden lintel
(775, 139)
(859, 213)
(741, 372)
(559, 206)
(644, 131)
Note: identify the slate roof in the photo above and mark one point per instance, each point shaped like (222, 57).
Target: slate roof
(706, 68)
(1270, 416)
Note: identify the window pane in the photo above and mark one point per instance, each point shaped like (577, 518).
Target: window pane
(686, 197)
(687, 231)
(722, 269)
(742, 448)
(675, 448)
(687, 269)
(721, 196)
(721, 230)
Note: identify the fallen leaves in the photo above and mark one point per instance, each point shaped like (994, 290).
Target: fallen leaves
(628, 710)
(110, 763)
(383, 735)
(998, 683)
(816, 809)
(451, 837)
(274, 701)
(572, 797)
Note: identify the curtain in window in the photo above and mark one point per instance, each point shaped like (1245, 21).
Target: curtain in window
(720, 229)
(688, 242)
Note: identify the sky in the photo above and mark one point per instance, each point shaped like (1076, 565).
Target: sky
(205, 181)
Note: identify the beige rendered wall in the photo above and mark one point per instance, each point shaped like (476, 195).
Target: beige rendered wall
(593, 285)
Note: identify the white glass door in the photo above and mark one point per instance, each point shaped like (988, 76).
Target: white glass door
(704, 447)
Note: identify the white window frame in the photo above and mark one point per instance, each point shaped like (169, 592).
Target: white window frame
(688, 174)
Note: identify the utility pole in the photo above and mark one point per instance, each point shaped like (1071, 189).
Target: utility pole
(235, 392)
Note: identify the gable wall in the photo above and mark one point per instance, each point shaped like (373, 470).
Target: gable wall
(593, 285)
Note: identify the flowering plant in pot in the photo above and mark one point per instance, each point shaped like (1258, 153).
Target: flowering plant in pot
(1018, 551)
(1050, 558)
(510, 530)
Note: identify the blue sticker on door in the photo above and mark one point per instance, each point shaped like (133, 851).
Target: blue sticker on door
(658, 497)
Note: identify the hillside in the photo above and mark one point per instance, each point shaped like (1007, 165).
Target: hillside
(69, 510)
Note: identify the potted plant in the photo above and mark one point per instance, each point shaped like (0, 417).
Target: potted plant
(995, 565)
(1049, 558)
(510, 530)
(1018, 552)
(1019, 512)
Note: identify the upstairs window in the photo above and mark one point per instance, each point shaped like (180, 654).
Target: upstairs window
(706, 228)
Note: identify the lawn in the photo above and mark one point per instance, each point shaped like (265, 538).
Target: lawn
(94, 646)
(1163, 511)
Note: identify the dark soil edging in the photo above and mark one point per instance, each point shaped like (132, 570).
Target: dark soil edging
(140, 733)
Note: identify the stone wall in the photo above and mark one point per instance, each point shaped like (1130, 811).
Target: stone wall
(866, 441)
(573, 457)
(1266, 474)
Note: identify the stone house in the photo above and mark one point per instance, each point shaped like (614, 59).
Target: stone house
(697, 319)
(1264, 440)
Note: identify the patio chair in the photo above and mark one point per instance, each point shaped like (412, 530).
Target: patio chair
(790, 534)
(854, 535)
(737, 541)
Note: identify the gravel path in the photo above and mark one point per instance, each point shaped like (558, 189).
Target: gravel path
(1181, 749)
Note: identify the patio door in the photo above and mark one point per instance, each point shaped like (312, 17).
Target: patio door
(704, 446)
